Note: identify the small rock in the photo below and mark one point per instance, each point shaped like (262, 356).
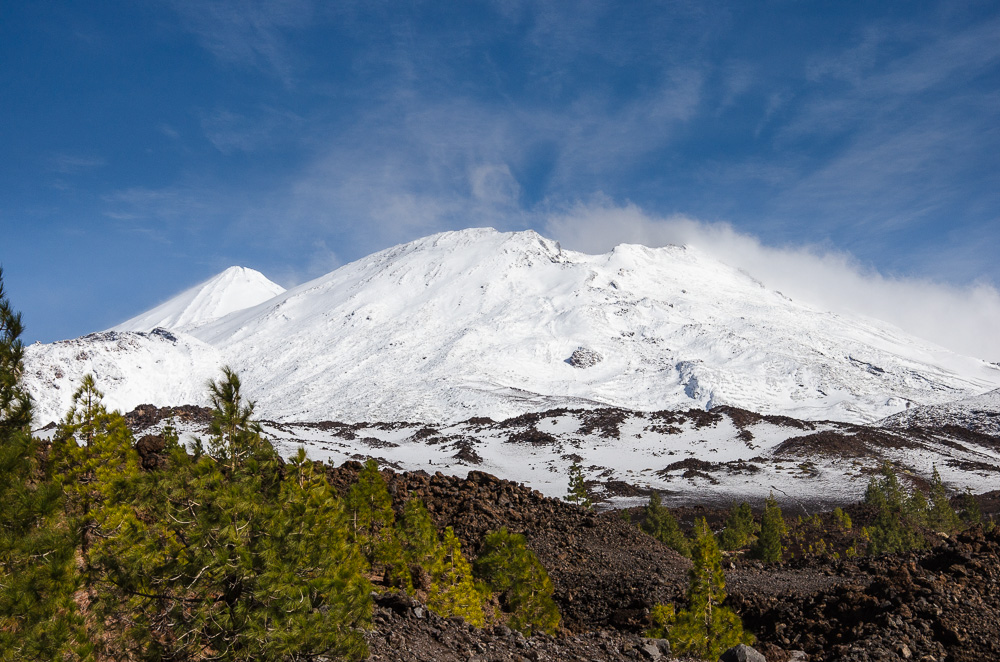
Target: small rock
(656, 649)
(742, 653)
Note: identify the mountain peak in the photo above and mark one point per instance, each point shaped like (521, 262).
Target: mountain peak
(485, 323)
(236, 288)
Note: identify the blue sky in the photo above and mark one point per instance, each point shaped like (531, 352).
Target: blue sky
(148, 146)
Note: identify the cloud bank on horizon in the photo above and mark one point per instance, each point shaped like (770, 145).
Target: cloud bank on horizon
(963, 319)
(848, 156)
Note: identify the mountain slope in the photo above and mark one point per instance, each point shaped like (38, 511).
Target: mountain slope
(236, 288)
(130, 368)
(980, 414)
(482, 323)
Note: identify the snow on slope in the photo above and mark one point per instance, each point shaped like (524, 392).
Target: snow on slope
(130, 368)
(482, 323)
(980, 414)
(693, 456)
(236, 288)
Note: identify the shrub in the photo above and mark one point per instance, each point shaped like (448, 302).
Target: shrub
(772, 528)
(453, 590)
(659, 523)
(512, 570)
(740, 528)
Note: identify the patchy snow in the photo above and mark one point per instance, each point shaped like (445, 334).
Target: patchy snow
(688, 456)
(482, 323)
(980, 413)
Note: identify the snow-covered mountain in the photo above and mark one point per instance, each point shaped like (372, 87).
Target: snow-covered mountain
(483, 323)
(236, 288)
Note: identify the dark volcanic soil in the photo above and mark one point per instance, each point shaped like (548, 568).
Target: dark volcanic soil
(605, 570)
(405, 631)
(939, 604)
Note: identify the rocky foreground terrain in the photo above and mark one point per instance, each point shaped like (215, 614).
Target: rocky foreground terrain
(938, 604)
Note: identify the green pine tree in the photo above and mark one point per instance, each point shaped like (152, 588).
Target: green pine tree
(419, 542)
(661, 524)
(842, 518)
(577, 489)
(970, 512)
(369, 507)
(313, 594)
(740, 528)
(453, 589)
(238, 558)
(39, 619)
(235, 435)
(662, 618)
(916, 509)
(418, 534)
(768, 546)
(511, 569)
(94, 456)
(705, 628)
(894, 529)
(941, 516)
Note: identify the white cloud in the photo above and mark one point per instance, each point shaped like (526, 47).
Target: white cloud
(494, 184)
(964, 319)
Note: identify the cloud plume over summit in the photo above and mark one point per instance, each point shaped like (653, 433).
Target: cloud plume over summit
(965, 319)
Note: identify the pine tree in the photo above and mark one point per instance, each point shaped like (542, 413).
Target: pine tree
(235, 435)
(661, 524)
(577, 489)
(970, 513)
(453, 589)
(662, 617)
(314, 597)
(916, 509)
(705, 628)
(842, 518)
(893, 529)
(740, 528)
(369, 506)
(768, 546)
(941, 516)
(418, 534)
(511, 569)
(93, 454)
(238, 559)
(420, 546)
(38, 618)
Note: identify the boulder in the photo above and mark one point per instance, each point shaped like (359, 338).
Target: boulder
(582, 357)
(655, 649)
(742, 653)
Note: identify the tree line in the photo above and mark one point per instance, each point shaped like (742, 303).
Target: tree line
(223, 552)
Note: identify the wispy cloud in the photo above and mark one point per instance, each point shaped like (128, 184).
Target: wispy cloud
(248, 33)
(71, 164)
(864, 144)
(236, 132)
